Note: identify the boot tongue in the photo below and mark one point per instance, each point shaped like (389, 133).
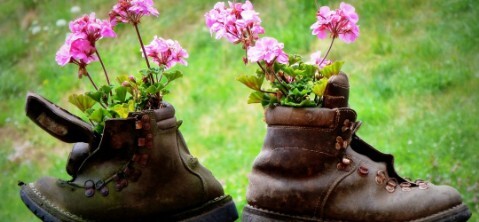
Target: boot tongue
(336, 94)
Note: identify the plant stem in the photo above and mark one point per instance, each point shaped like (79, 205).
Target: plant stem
(327, 53)
(262, 68)
(103, 66)
(91, 80)
(264, 91)
(144, 51)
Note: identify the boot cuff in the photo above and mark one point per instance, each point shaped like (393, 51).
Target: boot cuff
(307, 117)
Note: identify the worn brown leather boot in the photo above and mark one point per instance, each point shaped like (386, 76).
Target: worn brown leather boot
(141, 170)
(313, 167)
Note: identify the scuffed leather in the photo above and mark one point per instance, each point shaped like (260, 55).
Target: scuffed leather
(173, 181)
(296, 173)
(336, 93)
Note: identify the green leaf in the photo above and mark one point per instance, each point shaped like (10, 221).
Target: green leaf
(165, 92)
(151, 89)
(120, 94)
(122, 110)
(332, 69)
(294, 59)
(82, 101)
(309, 70)
(289, 70)
(105, 89)
(122, 78)
(159, 86)
(95, 95)
(99, 128)
(320, 86)
(255, 97)
(303, 103)
(144, 72)
(171, 76)
(97, 115)
(251, 82)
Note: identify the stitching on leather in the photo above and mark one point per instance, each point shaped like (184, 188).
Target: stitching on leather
(305, 149)
(51, 205)
(312, 128)
(333, 186)
(179, 142)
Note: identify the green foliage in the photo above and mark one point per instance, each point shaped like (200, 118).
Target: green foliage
(252, 82)
(81, 101)
(111, 101)
(332, 69)
(296, 84)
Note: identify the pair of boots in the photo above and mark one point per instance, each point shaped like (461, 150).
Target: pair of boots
(313, 167)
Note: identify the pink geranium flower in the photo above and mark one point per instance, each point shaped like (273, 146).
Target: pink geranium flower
(77, 51)
(318, 60)
(92, 29)
(339, 23)
(166, 52)
(237, 23)
(131, 11)
(269, 50)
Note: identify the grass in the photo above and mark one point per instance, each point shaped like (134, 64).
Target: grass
(413, 73)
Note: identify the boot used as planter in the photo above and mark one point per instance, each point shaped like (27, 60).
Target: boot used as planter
(140, 169)
(313, 167)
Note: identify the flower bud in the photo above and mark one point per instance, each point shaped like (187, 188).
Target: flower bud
(125, 84)
(82, 72)
(132, 79)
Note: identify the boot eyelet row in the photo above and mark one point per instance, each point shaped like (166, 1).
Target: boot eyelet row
(344, 163)
(391, 185)
(405, 186)
(380, 177)
(363, 171)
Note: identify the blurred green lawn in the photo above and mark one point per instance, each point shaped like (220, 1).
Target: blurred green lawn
(414, 76)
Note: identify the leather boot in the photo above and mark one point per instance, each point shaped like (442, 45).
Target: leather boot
(141, 170)
(313, 167)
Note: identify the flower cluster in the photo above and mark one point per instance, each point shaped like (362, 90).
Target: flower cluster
(131, 11)
(239, 23)
(292, 82)
(131, 93)
(79, 47)
(269, 50)
(166, 52)
(340, 23)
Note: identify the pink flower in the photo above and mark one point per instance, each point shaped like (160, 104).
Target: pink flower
(237, 23)
(143, 7)
(131, 11)
(92, 29)
(339, 23)
(77, 51)
(269, 50)
(317, 59)
(166, 52)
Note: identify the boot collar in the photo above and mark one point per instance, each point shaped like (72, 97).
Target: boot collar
(309, 117)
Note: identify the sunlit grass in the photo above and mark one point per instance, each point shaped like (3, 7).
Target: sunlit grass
(413, 73)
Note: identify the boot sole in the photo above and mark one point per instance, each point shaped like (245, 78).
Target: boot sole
(221, 209)
(459, 213)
